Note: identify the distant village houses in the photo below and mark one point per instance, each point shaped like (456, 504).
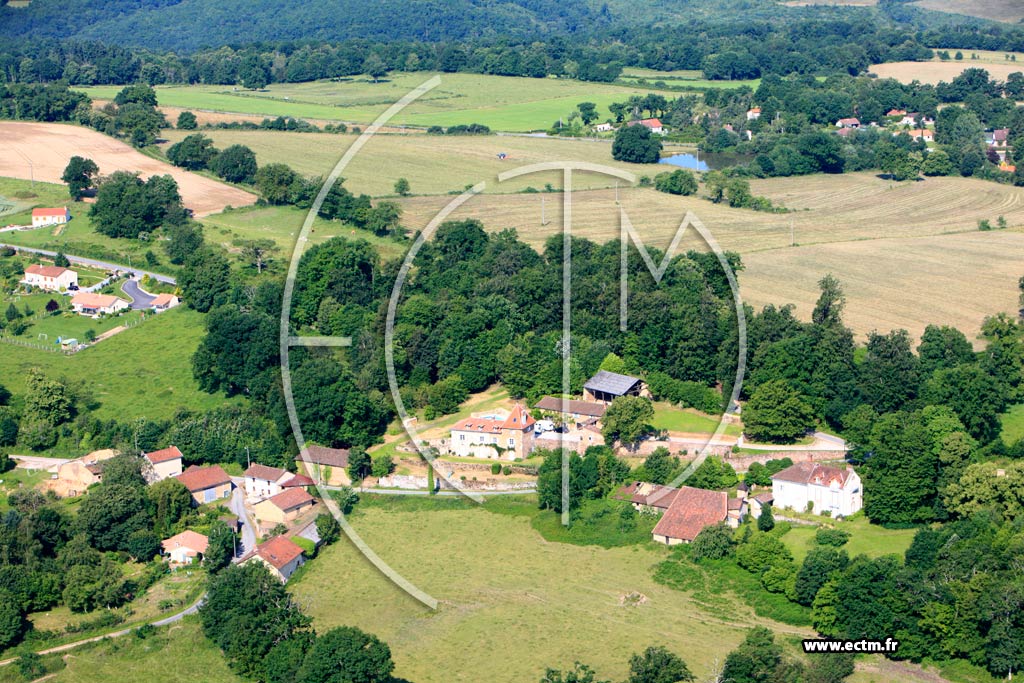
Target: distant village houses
(851, 122)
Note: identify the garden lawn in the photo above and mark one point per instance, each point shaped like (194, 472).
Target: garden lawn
(689, 420)
(865, 538)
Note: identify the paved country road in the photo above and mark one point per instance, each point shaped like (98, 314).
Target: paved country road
(95, 263)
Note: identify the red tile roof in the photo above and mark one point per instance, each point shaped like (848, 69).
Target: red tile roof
(518, 419)
(46, 271)
(163, 300)
(94, 300)
(186, 539)
(291, 498)
(1000, 134)
(692, 510)
(202, 478)
(660, 497)
(62, 211)
(164, 455)
(278, 551)
(813, 473)
(264, 472)
(647, 123)
(297, 480)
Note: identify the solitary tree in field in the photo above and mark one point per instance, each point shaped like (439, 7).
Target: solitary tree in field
(187, 121)
(236, 164)
(78, 175)
(374, 67)
(402, 187)
(636, 144)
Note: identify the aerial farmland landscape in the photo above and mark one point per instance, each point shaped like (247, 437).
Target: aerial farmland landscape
(518, 341)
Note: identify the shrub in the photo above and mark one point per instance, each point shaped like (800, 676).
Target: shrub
(506, 470)
(496, 468)
(832, 537)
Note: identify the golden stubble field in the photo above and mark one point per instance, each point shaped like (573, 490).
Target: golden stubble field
(894, 245)
(42, 150)
(936, 70)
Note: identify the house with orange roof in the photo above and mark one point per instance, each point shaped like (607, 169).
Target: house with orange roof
(690, 512)
(280, 555)
(91, 303)
(166, 462)
(164, 302)
(206, 484)
(753, 113)
(45, 216)
(184, 548)
(653, 125)
(50, 278)
(283, 508)
(813, 487)
(496, 435)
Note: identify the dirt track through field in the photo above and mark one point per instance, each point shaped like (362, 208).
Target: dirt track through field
(49, 146)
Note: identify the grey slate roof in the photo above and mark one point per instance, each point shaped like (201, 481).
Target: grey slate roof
(611, 383)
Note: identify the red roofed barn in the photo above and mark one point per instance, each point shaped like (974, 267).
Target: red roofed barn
(691, 511)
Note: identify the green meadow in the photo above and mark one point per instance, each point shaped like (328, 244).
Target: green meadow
(503, 103)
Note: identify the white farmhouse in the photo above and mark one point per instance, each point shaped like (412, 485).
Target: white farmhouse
(50, 278)
(821, 488)
(42, 217)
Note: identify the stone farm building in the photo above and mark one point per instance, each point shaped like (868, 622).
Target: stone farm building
(42, 217)
(605, 387)
(580, 411)
(91, 303)
(813, 487)
(206, 484)
(50, 278)
(325, 465)
(166, 462)
(185, 548)
(75, 476)
(283, 508)
(494, 436)
(280, 555)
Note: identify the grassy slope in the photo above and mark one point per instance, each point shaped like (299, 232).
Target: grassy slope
(678, 420)
(503, 103)
(508, 599)
(143, 372)
(180, 653)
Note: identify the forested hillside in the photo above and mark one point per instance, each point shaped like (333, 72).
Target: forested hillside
(190, 24)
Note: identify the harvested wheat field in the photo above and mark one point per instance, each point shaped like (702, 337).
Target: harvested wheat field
(888, 243)
(49, 147)
(935, 71)
(904, 283)
(999, 10)
(824, 208)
